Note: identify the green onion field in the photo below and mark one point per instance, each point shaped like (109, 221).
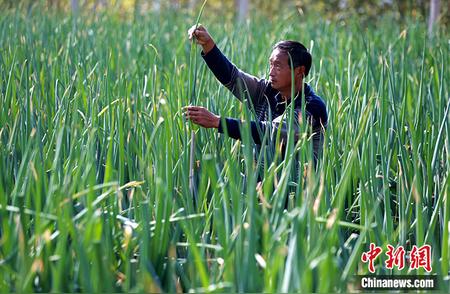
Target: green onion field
(102, 188)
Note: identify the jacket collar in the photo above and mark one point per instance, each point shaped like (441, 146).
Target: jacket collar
(280, 106)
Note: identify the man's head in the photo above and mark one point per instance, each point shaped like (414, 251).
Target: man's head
(280, 64)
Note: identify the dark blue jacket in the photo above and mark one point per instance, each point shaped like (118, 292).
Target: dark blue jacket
(267, 103)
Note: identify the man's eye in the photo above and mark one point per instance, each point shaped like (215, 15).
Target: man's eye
(275, 65)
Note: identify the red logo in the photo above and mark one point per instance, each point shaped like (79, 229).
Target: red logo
(419, 257)
(371, 255)
(396, 257)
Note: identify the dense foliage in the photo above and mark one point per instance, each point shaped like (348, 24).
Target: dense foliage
(95, 193)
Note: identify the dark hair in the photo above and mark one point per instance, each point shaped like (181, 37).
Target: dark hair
(299, 54)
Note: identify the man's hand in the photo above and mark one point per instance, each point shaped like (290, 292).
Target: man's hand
(201, 116)
(202, 37)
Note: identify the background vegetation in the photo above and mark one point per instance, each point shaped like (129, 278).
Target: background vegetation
(95, 190)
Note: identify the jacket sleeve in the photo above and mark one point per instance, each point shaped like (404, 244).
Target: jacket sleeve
(233, 128)
(241, 84)
(280, 123)
(258, 129)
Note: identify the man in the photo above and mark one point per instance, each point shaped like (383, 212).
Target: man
(268, 98)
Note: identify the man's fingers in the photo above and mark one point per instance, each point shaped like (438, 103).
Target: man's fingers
(193, 108)
(198, 27)
(196, 31)
(193, 34)
(203, 36)
(192, 115)
(189, 117)
(196, 114)
(194, 119)
(194, 27)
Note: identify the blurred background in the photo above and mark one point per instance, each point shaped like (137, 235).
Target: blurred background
(430, 11)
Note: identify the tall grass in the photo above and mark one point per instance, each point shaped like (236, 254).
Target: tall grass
(95, 158)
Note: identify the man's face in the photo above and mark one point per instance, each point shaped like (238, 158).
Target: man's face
(280, 72)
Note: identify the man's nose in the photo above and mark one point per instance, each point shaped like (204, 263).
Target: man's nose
(271, 72)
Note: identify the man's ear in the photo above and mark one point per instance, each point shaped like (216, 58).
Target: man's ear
(299, 71)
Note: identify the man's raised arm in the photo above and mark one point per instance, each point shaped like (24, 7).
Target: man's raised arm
(237, 81)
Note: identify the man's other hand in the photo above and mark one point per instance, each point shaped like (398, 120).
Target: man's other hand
(202, 37)
(201, 116)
